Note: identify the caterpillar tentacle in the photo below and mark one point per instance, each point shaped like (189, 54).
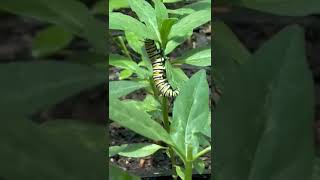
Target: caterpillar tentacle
(159, 70)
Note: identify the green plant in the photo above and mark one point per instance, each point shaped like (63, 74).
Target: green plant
(184, 132)
(56, 149)
(263, 120)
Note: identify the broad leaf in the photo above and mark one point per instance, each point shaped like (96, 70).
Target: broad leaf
(134, 150)
(190, 112)
(126, 63)
(280, 7)
(176, 76)
(146, 14)
(119, 21)
(197, 57)
(118, 174)
(185, 26)
(72, 15)
(121, 88)
(32, 86)
(135, 42)
(50, 40)
(136, 120)
(252, 139)
(161, 11)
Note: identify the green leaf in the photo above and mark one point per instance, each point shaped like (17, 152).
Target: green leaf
(138, 121)
(180, 172)
(72, 15)
(190, 8)
(91, 136)
(100, 7)
(119, 21)
(121, 88)
(165, 30)
(197, 57)
(88, 58)
(135, 42)
(135, 150)
(126, 63)
(149, 104)
(207, 130)
(125, 74)
(252, 139)
(226, 59)
(161, 11)
(146, 14)
(118, 174)
(171, 1)
(237, 52)
(190, 112)
(29, 86)
(50, 40)
(185, 26)
(176, 76)
(316, 169)
(199, 166)
(29, 151)
(282, 7)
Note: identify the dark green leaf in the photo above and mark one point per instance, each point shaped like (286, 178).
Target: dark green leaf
(281, 7)
(50, 40)
(27, 87)
(100, 7)
(92, 136)
(71, 14)
(190, 8)
(29, 151)
(252, 136)
(118, 174)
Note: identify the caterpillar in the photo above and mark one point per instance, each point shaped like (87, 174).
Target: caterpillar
(159, 70)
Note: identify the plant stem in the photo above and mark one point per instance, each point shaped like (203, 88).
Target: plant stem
(166, 124)
(165, 114)
(124, 47)
(207, 149)
(188, 164)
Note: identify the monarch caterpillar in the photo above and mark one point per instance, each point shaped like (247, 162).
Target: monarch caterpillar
(159, 70)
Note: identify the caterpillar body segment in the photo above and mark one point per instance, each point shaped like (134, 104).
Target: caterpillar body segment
(159, 70)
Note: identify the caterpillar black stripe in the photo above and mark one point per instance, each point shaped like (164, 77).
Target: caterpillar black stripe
(159, 70)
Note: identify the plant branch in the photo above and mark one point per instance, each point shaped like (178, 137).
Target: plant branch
(201, 153)
(166, 124)
(125, 50)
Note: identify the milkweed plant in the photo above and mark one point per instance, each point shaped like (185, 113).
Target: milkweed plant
(185, 133)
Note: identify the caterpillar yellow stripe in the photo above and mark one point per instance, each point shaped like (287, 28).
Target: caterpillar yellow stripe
(159, 70)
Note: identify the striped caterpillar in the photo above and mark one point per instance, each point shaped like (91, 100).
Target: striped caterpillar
(159, 70)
